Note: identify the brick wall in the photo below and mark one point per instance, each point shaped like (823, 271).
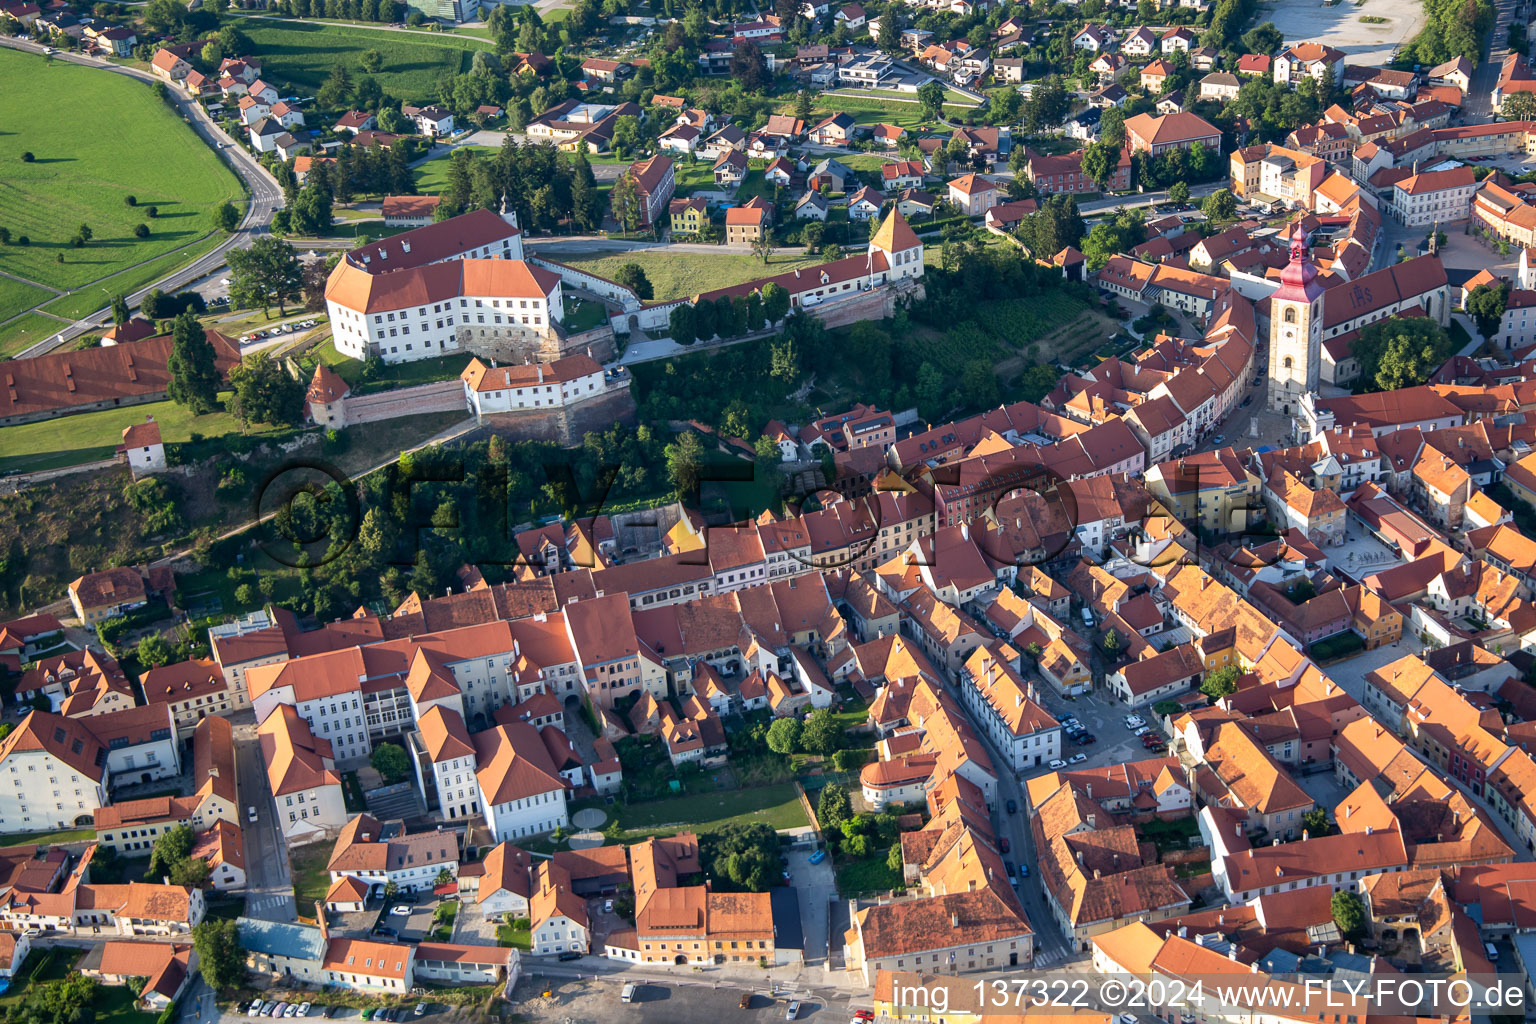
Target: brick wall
(565, 426)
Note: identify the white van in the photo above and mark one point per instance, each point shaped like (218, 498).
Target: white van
(628, 995)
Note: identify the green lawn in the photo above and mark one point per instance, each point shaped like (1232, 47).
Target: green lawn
(311, 881)
(303, 53)
(432, 176)
(82, 176)
(98, 294)
(59, 959)
(113, 1004)
(48, 444)
(26, 331)
(777, 806)
(865, 877)
(517, 938)
(65, 836)
(16, 297)
(675, 274)
(420, 371)
(583, 315)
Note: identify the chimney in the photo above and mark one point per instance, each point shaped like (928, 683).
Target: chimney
(1093, 821)
(1369, 829)
(1231, 952)
(1305, 835)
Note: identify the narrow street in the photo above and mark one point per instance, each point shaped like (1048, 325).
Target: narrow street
(269, 886)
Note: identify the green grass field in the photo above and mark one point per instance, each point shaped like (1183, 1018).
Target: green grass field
(16, 297)
(688, 273)
(98, 294)
(432, 176)
(303, 53)
(43, 838)
(82, 175)
(48, 444)
(777, 805)
(25, 331)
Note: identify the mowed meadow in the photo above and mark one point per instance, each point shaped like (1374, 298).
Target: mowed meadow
(302, 54)
(97, 137)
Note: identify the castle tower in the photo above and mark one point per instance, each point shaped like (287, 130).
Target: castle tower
(1295, 330)
(902, 248)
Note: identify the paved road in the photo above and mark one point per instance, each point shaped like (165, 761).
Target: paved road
(269, 886)
(265, 198)
(1478, 105)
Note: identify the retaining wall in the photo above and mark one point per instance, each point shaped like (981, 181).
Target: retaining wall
(439, 396)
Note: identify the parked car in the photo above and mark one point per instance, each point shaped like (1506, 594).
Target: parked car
(368, 1013)
(1012, 871)
(1134, 721)
(1023, 870)
(792, 1012)
(607, 906)
(1219, 439)
(292, 1011)
(421, 1010)
(303, 1009)
(278, 1009)
(1144, 731)
(254, 1010)
(250, 814)
(1077, 759)
(400, 910)
(1013, 806)
(818, 856)
(745, 1002)
(1058, 764)
(568, 956)
(1087, 738)
(1002, 844)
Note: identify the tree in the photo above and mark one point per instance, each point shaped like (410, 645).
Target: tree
(1178, 192)
(1348, 913)
(978, 384)
(170, 849)
(192, 873)
(154, 651)
(893, 858)
(371, 61)
(680, 324)
(1220, 205)
(120, 312)
(625, 200)
(750, 68)
(1111, 127)
(227, 216)
(1111, 642)
(220, 956)
(264, 392)
(784, 736)
(1099, 163)
(775, 303)
(821, 734)
(930, 95)
(833, 807)
(268, 272)
(212, 53)
(194, 373)
(632, 276)
(1520, 106)
(1221, 682)
(1486, 303)
(1263, 38)
(743, 857)
(1398, 353)
(1315, 822)
(390, 761)
(685, 457)
(310, 211)
(762, 246)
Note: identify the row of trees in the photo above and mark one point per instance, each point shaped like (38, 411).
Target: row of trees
(728, 316)
(543, 185)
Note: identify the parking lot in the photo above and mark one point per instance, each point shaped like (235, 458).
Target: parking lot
(434, 1013)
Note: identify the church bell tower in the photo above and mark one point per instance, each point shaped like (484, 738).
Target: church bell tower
(1295, 330)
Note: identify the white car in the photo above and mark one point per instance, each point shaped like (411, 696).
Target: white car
(1143, 730)
(405, 911)
(1058, 764)
(303, 1009)
(1077, 759)
(1128, 1018)
(1134, 721)
(250, 814)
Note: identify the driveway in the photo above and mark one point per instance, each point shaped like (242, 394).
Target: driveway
(816, 887)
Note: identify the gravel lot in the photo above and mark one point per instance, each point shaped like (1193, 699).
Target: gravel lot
(1340, 26)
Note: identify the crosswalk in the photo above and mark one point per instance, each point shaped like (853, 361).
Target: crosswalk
(270, 906)
(1044, 958)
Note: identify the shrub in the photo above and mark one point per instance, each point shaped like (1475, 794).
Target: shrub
(27, 157)
(131, 200)
(141, 231)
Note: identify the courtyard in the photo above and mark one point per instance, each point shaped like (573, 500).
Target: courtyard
(1340, 26)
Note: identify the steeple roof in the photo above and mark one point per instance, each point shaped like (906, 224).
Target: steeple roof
(1298, 281)
(895, 234)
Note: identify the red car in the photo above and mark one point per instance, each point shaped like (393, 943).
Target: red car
(1002, 843)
